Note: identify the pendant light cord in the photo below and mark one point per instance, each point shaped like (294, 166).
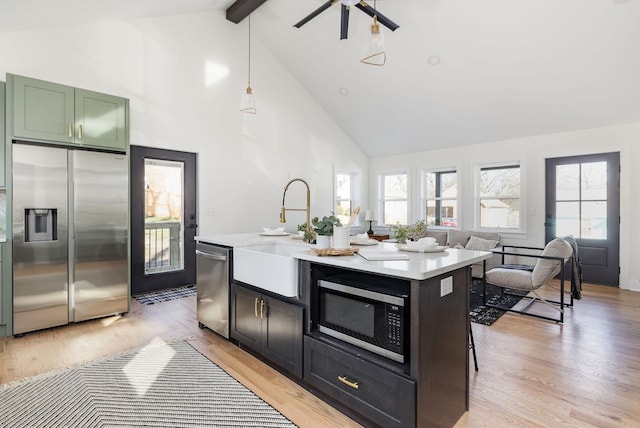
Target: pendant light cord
(249, 39)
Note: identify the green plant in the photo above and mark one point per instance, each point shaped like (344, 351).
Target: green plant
(302, 227)
(325, 226)
(402, 232)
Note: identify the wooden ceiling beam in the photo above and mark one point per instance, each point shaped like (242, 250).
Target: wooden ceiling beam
(240, 9)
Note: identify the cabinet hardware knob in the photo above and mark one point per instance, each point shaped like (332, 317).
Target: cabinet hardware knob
(255, 307)
(262, 303)
(70, 130)
(349, 383)
(80, 132)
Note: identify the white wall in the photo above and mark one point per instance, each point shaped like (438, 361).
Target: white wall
(184, 76)
(532, 152)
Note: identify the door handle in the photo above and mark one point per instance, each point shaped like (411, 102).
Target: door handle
(70, 130)
(80, 132)
(255, 307)
(262, 304)
(191, 226)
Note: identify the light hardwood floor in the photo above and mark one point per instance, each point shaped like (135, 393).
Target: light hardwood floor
(585, 373)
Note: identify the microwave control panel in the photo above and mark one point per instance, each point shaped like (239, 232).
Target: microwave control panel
(394, 325)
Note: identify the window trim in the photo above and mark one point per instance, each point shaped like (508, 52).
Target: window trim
(380, 195)
(355, 190)
(522, 226)
(424, 199)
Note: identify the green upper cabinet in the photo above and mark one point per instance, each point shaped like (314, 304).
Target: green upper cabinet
(2, 146)
(100, 119)
(45, 111)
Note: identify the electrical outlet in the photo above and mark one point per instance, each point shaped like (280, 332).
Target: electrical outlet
(446, 286)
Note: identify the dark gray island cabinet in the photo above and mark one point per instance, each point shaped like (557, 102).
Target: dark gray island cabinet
(409, 370)
(430, 388)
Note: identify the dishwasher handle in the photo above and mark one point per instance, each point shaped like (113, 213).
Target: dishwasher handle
(211, 256)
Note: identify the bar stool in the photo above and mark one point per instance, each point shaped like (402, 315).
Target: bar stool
(472, 346)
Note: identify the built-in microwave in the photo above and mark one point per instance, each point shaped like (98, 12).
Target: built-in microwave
(374, 319)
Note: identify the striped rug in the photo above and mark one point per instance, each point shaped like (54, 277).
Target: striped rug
(161, 385)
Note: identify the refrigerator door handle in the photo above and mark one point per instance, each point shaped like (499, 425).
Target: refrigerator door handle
(211, 256)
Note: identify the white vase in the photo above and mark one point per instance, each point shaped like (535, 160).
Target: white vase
(323, 241)
(341, 237)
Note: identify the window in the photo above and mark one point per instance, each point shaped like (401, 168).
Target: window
(344, 195)
(441, 198)
(499, 200)
(394, 197)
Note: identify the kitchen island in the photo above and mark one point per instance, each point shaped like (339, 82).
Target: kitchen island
(427, 387)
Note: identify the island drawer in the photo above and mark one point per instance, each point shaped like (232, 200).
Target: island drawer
(366, 388)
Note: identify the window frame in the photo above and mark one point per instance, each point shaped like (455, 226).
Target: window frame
(354, 191)
(380, 203)
(424, 199)
(522, 198)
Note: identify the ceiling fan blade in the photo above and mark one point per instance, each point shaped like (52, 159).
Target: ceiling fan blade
(315, 13)
(363, 6)
(344, 22)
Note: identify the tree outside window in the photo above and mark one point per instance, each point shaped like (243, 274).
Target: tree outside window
(395, 204)
(441, 189)
(500, 197)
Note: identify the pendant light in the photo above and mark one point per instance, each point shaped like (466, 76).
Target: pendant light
(375, 51)
(248, 102)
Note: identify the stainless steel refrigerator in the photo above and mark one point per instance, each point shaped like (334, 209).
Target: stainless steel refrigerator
(70, 236)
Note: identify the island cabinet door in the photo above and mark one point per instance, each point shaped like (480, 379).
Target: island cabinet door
(246, 325)
(282, 335)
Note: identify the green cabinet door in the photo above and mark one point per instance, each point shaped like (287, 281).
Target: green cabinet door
(2, 143)
(42, 110)
(100, 120)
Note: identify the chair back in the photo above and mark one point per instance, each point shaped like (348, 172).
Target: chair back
(546, 269)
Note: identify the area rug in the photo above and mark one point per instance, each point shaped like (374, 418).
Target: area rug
(486, 315)
(161, 385)
(165, 295)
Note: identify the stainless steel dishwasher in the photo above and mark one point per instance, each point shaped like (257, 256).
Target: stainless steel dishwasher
(212, 279)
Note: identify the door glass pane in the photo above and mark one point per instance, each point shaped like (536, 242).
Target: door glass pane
(581, 200)
(164, 223)
(594, 181)
(594, 220)
(568, 219)
(568, 182)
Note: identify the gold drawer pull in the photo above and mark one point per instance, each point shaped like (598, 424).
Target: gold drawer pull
(347, 382)
(255, 307)
(80, 132)
(70, 130)
(262, 309)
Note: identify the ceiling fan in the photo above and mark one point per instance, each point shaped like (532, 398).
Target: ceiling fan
(344, 18)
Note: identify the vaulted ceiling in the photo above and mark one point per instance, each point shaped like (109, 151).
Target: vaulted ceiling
(458, 71)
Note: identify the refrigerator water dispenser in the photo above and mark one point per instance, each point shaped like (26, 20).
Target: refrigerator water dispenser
(41, 224)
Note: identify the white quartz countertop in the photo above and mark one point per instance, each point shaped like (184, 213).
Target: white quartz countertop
(417, 266)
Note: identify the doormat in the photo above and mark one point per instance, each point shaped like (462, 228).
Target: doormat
(482, 314)
(165, 295)
(160, 385)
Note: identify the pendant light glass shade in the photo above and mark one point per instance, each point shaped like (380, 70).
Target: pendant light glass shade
(349, 2)
(247, 101)
(375, 51)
